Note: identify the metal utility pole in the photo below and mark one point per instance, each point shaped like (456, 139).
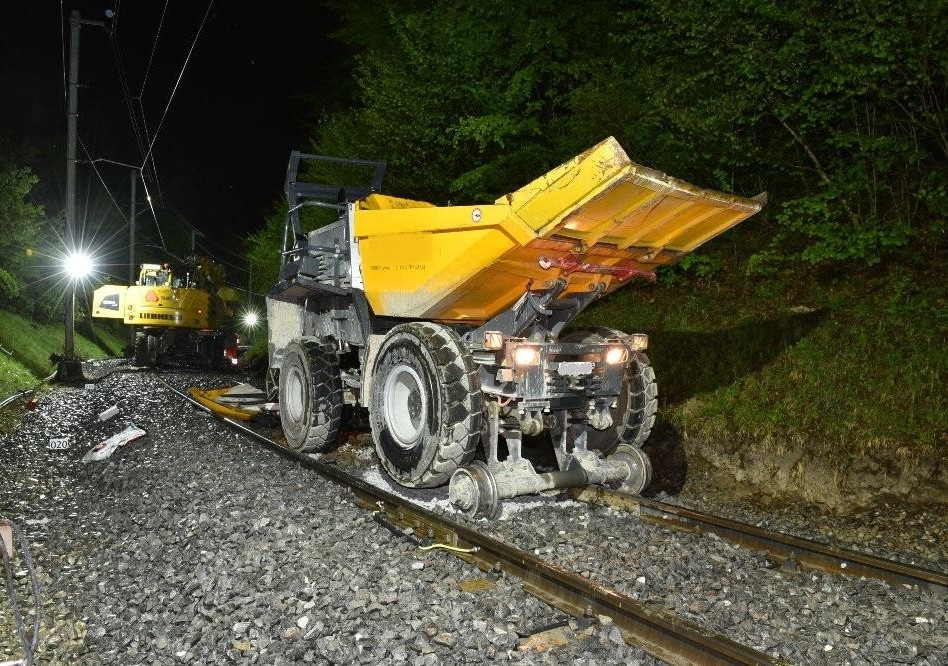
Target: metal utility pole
(131, 230)
(69, 368)
(131, 250)
(71, 139)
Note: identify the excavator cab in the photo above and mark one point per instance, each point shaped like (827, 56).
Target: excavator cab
(155, 275)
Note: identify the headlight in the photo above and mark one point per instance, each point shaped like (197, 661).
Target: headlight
(638, 341)
(616, 355)
(493, 340)
(526, 355)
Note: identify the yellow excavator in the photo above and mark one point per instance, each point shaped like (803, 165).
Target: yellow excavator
(449, 323)
(176, 319)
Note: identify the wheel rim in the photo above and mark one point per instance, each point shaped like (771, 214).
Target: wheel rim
(295, 388)
(405, 405)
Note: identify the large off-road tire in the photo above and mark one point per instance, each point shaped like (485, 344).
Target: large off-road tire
(141, 349)
(310, 395)
(426, 404)
(634, 413)
(213, 353)
(146, 349)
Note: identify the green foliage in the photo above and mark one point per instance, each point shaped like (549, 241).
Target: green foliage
(839, 111)
(32, 343)
(857, 366)
(20, 220)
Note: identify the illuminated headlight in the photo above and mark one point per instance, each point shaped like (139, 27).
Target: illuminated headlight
(526, 355)
(638, 341)
(493, 340)
(616, 355)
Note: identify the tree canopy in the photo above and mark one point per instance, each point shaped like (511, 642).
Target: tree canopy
(20, 221)
(839, 110)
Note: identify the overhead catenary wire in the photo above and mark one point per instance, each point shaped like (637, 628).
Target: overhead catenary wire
(112, 197)
(187, 59)
(108, 191)
(242, 269)
(141, 103)
(62, 34)
(151, 56)
(126, 94)
(158, 226)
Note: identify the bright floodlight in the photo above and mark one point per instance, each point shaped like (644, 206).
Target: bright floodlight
(250, 319)
(78, 265)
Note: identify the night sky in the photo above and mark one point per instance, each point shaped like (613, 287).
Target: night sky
(259, 74)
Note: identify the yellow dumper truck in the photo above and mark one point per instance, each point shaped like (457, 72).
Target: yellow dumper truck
(447, 323)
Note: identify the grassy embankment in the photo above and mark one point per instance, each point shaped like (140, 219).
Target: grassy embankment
(842, 365)
(27, 346)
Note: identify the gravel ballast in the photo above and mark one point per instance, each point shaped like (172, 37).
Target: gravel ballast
(802, 617)
(196, 545)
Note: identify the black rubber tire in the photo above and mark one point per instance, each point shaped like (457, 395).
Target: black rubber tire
(634, 413)
(146, 349)
(310, 395)
(141, 349)
(213, 353)
(206, 353)
(449, 428)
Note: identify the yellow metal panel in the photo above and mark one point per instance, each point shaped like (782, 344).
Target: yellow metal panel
(381, 202)
(108, 302)
(156, 306)
(413, 258)
(466, 263)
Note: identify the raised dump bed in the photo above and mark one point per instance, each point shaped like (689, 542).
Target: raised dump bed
(598, 218)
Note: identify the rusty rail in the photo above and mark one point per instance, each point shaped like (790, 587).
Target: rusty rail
(779, 546)
(660, 633)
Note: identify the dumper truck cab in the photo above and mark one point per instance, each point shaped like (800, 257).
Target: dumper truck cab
(449, 324)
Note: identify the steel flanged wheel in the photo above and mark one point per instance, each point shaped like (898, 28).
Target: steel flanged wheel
(473, 491)
(425, 404)
(640, 468)
(310, 395)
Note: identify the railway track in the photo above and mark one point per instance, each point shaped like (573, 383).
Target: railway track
(791, 551)
(660, 633)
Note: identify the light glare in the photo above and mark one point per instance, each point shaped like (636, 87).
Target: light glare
(250, 319)
(78, 265)
(525, 355)
(616, 355)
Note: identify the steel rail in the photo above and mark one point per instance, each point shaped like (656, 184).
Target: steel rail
(660, 633)
(780, 547)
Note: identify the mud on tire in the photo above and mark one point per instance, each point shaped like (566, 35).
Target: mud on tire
(310, 395)
(426, 404)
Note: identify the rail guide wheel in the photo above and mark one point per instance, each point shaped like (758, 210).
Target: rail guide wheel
(640, 468)
(473, 491)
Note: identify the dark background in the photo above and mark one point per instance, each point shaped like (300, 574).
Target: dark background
(258, 75)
